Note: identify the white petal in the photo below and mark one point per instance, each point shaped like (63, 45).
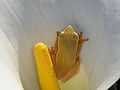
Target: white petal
(26, 22)
(9, 75)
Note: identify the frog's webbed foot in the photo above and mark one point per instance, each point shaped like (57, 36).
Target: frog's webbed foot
(81, 40)
(51, 51)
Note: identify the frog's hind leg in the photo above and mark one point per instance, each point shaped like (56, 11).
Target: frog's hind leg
(53, 52)
(53, 58)
(80, 43)
(73, 71)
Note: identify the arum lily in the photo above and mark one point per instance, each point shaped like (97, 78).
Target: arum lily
(23, 23)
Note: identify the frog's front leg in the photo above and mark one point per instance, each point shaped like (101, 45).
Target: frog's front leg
(80, 43)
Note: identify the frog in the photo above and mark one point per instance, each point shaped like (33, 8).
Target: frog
(65, 54)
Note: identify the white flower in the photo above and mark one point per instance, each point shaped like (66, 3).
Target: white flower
(23, 23)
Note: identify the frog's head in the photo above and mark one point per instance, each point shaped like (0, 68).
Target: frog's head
(69, 29)
(69, 32)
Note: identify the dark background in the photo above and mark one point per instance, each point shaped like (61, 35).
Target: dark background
(116, 86)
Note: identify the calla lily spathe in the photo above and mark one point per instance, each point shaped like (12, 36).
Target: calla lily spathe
(23, 23)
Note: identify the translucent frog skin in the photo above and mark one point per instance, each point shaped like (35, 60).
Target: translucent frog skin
(65, 53)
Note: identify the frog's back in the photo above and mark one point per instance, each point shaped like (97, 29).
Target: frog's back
(67, 47)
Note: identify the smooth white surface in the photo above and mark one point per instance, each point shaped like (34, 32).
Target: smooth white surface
(9, 75)
(26, 22)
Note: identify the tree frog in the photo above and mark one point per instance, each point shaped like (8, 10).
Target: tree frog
(65, 53)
